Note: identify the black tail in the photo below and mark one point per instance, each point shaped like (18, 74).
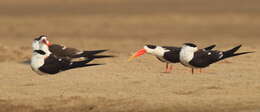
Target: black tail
(79, 64)
(102, 56)
(92, 54)
(231, 52)
(210, 47)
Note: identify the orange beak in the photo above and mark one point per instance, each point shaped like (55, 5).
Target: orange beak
(46, 42)
(138, 53)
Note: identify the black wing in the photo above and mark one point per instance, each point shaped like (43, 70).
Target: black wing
(79, 64)
(62, 51)
(53, 64)
(173, 55)
(209, 47)
(172, 48)
(92, 54)
(204, 58)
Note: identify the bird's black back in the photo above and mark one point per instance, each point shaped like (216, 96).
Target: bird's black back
(53, 64)
(62, 51)
(173, 55)
(204, 58)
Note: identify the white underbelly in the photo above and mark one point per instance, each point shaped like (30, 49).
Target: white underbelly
(36, 63)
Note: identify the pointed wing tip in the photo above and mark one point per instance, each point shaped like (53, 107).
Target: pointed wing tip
(104, 56)
(96, 64)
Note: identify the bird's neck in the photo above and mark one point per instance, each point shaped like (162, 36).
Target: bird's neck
(159, 51)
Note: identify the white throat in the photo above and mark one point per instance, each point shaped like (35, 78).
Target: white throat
(35, 45)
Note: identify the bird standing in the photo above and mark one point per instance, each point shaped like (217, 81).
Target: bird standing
(192, 57)
(166, 54)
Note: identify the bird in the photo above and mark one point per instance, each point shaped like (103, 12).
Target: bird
(166, 54)
(63, 51)
(191, 56)
(43, 61)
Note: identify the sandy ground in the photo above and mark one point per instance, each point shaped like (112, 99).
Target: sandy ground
(124, 27)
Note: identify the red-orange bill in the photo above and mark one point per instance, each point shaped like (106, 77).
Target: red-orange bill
(47, 42)
(138, 53)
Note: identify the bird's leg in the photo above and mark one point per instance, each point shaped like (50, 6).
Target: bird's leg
(192, 70)
(170, 68)
(200, 70)
(166, 68)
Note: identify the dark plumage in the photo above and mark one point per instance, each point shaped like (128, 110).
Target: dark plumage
(203, 59)
(167, 54)
(190, 56)
(173, 55)
(53, 58)
(62, 51)
(54, 64)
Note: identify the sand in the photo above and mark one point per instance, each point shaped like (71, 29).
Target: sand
(124, 27)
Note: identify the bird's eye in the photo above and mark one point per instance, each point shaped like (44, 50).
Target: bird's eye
(151, 46)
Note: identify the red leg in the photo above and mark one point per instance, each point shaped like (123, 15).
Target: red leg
(170, 69)
(192, 71)
(200, 70)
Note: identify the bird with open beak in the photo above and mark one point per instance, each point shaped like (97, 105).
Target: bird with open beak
(166, 54)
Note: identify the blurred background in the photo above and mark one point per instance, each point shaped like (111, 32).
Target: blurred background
(115, 24)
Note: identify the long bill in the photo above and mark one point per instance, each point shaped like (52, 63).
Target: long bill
(138, 53)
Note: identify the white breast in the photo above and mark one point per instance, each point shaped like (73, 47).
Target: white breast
(36, 62)
(186, 56)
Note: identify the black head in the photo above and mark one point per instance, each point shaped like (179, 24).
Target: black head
(40, 37)
(190, 44)
(151, 46)
(40, 52)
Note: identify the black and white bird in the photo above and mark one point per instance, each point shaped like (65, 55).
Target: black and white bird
(63, 51)
(44, 61)
(192, 57)
(166, 54)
